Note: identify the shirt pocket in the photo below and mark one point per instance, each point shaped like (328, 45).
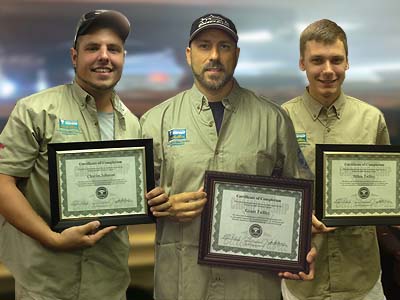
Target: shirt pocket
(260, 163)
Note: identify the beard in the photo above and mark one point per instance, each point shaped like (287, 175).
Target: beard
(97, 87)
(213, 82)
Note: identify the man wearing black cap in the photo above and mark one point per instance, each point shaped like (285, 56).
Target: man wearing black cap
(215, 125)
(82, 262)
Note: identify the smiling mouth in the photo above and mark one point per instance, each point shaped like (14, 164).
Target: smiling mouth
(102, 70)
(327, 81)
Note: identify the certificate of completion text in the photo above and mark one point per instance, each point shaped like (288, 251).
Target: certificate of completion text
(101, 182)
(256, 221)
(366, 185)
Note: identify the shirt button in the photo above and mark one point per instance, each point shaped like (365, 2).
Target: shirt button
(216, 152)
(211, 123)
(328, 129)
(96, 123)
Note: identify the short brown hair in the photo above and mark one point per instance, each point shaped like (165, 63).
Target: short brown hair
(325, 31)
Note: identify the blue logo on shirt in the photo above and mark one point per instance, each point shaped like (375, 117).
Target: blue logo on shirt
(69, 126)
(176, 137)
(301, 137)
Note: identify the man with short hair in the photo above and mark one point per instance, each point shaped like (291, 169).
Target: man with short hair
(347, 266)
(215, 125)
(82, 262)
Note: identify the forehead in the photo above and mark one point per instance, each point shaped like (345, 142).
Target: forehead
(213, 34)
(324, 49)
(101, 35)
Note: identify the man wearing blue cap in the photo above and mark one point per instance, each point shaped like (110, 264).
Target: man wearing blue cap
(82, 262)
(215, 125)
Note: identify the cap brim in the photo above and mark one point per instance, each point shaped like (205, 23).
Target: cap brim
(215, 26)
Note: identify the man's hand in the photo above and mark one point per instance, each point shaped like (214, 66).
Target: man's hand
(158, 200)
(319, 227)
(184, 207)
(311, 256)
(78, 237)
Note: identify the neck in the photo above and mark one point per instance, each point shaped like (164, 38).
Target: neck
(324, 101)
(103, 103)
(215, 95)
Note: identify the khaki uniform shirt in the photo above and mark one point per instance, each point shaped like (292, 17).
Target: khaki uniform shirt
(256, 137)
(347, 265)
(60, 115)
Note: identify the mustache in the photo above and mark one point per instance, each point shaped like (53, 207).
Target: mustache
(214, 65)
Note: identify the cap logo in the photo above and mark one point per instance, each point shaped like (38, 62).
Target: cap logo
(211, 19)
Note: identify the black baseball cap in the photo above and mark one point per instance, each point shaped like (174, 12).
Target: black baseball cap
(212, 20)
(104, 19)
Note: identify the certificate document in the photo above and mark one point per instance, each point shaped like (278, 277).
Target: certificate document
(256, 222)
(250, 221)
(365, 183)
(357, 184)
(105, 181)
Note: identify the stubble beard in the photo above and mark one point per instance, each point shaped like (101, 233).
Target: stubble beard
(98, 87)
(214, 82)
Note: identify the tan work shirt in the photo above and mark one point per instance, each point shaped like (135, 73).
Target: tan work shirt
(347, 265)
(256, 137)
(60, 115)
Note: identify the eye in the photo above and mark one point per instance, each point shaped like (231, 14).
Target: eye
(91, 48)
(115, 49)
(337, 60)
(316, 60)
(226, 46)
(204, 46)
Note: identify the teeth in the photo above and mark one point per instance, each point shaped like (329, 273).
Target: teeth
(102, 70)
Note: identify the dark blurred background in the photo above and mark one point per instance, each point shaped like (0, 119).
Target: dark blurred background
(35, 37)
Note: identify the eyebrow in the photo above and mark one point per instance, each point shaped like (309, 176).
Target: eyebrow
(97, 44)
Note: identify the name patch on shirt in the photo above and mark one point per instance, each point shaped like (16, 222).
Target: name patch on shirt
(177, 137)
(301, 137)
(69, 126)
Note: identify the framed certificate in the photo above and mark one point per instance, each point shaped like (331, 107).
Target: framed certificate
(105, 181)
(357, 184)
(256, 222)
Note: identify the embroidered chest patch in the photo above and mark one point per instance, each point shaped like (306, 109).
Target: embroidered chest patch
(301, 137)
(177, 137)
(69, 127)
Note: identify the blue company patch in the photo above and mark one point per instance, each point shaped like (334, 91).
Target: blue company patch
(69, 126)
(301, 137)
(176, 136)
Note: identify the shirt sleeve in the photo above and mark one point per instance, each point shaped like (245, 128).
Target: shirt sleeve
(294, 164)
(383, 137)
(20, 142)
(151, 128)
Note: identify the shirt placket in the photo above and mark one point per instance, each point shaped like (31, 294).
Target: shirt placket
(216, 289)
(209, 131)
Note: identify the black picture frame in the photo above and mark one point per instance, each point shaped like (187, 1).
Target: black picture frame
(357, 185)
(102, 162)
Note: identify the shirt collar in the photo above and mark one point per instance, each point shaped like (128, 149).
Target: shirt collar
(200, 102)
(315, 108)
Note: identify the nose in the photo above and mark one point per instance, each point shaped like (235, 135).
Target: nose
(214, 55)
(103, 53)
(327, 68)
